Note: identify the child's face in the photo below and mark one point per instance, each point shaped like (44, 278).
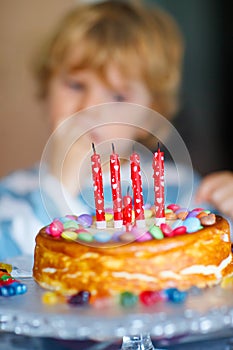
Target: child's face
(72, 92)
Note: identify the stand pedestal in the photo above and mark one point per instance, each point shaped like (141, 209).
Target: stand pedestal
(137, 342)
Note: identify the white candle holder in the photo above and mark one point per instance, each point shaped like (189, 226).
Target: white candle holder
(101, 225)
(118, 223)
(159, 221)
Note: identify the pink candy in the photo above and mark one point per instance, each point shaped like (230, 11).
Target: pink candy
(173, 207)
(144, 237)
(55, 229)
(181, 230)
(167, 230)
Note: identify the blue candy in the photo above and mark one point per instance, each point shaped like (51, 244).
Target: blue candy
(175, 296)
(14, 288)
(102, 236)
(7, 291)
(192, 224)
(20, 288)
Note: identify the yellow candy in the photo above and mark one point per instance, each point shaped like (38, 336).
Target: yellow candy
(69, 235)
(133, 215)
(50, 298)
(6, 267)
(148, 213)
(108, 217)
(227, 282)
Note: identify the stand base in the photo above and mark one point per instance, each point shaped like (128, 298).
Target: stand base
(137, 342)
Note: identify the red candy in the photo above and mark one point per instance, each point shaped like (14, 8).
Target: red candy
(56, 228)
(181, 230)
(150, 297)
(173, 207)
(167, 230)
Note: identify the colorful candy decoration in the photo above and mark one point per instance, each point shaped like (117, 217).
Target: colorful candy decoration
(8, 285)
(75, 228)
(126, 299)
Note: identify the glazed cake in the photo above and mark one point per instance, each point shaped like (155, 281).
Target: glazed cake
(192, 248)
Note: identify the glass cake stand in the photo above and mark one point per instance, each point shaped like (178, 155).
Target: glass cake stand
(204, 313)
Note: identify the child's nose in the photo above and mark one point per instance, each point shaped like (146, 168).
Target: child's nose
(95, 97)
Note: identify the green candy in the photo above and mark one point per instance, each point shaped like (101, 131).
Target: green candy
(168, 211)
(70, 224)
(5, 277)
(156, 232)
(85, 236)
(128, 299)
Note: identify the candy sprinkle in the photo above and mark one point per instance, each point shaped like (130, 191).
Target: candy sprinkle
(174, 295)
(50, 298)
(150, 297)
(80, 299)
(128, 299)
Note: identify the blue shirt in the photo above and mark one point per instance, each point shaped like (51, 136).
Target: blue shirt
(30, 199)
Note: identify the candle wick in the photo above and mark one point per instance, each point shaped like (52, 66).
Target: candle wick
(158, 147)
(128, 190)
(113, 148)
(133, 148)
(93, 147)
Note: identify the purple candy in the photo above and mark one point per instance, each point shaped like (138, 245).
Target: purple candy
(194, 212)
(72, 217)
(109, 210)
(138, 232)
(85, 220)
(144, 237)
(116, 235)
(181, 210)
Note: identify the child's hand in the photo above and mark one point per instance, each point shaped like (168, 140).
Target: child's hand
(217, 189)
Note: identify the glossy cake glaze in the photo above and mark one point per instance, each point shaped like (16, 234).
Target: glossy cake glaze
(199, 259)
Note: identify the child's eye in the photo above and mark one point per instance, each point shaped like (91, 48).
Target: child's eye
(75, 85)
(119, 98)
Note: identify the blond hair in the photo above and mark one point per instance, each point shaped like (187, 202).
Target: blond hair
(143, 42)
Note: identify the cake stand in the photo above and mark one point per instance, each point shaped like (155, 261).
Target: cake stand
(204, 313)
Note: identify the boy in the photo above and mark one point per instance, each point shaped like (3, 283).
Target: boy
(104, 52)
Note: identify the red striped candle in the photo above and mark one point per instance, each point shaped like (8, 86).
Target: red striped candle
(116, 188)
(137, 189)
(158, 166)
(127, 210)
(98, 189)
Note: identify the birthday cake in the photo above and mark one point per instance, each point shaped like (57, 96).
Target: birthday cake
(132, 248)
(71, 255)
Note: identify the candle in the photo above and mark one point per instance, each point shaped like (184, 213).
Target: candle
(127, 211)
(116, 189)
(98, 189)
(158, 165)
(137, 189)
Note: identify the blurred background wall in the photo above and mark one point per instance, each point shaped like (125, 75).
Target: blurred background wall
(206, 111)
